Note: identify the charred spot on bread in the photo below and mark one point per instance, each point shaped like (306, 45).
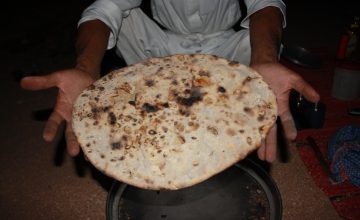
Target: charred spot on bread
(233, 63)
(180, 127)
(152, 132)
(116, 145)
(112, 118)
(95, 110)
(131, 102)
(165, 129)
(204, 73)
(182, 139)
(126, 87)
(247, 80)
(184, 111)
(249, 140)
(230, 132)
(195, 96)
(248, 110)
(195, 164)
(148, 181)
(261, 129)
(91, 87)
(150, 108)
(221, 89)
(149, 82)
(174, 82)
(261, 118)
(212, 130)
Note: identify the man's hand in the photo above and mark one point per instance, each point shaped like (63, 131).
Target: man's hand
(282, 80)
(91, 45)
(70, 83)
(265, 37)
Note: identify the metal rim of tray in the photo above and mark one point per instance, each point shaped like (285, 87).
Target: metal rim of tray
(252, 169)
(300, 56)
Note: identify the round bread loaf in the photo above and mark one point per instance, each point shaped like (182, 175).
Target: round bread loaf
(172, 122)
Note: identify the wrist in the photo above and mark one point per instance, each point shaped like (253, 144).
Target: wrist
(85, 65)
(91, 44)
(258, 60)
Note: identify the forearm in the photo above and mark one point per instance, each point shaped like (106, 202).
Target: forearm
(91, 44)
(265, 35)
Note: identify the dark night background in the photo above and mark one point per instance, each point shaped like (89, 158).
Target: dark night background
(37, 37)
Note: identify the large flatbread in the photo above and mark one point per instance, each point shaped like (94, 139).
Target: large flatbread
(172, 122)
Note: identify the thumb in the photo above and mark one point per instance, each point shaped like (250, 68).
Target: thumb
(39, 82)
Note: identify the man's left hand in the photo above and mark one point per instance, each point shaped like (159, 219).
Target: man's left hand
(282, 80)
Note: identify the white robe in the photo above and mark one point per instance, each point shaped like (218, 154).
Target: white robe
(191, 26)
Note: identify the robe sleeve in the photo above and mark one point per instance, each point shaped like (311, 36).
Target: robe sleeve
(111, 12)
(256, 5)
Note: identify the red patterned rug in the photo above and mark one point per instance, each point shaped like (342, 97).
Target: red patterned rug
(345, 197)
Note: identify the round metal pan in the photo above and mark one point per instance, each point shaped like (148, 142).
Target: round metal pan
(300, 56)
(243, 191)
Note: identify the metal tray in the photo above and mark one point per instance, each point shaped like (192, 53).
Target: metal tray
(243, 191)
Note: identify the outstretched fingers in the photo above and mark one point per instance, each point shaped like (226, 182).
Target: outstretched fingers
(52, 126)
(271, 144)
(286, 118)
(261, 151)
(268, 148)
(288, 125)
(72, 144)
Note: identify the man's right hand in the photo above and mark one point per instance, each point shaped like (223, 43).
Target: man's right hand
(70, 83)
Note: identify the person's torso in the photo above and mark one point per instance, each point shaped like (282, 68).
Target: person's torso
(196, 16)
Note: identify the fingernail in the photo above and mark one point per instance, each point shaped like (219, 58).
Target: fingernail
(270, 158)
(261, 154)
(73, 152)
(47, 137)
